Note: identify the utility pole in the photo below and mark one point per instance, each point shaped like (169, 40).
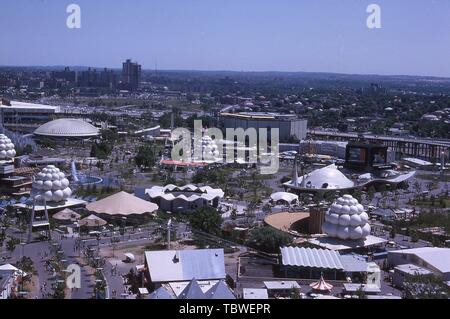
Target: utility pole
(169, 223)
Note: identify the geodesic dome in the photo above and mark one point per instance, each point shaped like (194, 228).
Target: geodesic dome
(7, 150)
(51, 184)
(346, 219)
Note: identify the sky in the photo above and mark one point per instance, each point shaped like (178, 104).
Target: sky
(235, 35)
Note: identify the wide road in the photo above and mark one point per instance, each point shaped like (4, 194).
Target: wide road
(37, 252)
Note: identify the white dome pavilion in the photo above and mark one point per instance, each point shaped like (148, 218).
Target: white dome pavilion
(7, 150)
(51, 184)
(328, 177)
(346, 219)
(67, 128)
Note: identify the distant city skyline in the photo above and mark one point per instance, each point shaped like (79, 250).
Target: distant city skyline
(292, 36)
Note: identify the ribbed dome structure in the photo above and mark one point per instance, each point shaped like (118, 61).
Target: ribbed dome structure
(67, 128)
(51, 184)
(328, 177)
(346, 219)
(7, 150)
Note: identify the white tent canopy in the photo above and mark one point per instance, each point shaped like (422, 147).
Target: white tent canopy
(8, 267)
(92, 221)
(66, 214)
(122, 203)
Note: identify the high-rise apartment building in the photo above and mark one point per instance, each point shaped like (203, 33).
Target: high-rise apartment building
(131, 75)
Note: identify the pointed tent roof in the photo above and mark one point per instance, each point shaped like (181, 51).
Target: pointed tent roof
(122, 203)
(321, 285)
(66, 214)
(8, 267)
(92, 221)
(220, 291)
(11, 269)
(161, 293)
(192, 291)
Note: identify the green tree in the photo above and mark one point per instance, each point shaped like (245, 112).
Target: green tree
(393, 232)
(2, 237)
(26, 264)
(206, 219)
(414, 236)
(268, 239)
(101, 150)
(58, 291)
(425, 287)
(110, 136)
(360, 292)
(233, 213)
(145, 156)
(133, 281)
(11, 244)
(295, 293)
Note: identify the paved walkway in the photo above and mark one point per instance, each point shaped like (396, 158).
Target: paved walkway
(87, 275)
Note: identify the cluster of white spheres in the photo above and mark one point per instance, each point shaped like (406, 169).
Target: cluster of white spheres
(7, 150)
(209, 147)
(346, 219)
(52, 184)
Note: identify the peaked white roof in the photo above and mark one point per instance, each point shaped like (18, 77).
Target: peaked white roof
(122, 203)
(192, 291)
(8, 267)
(220, 291)
(161, 293)
(92, 221)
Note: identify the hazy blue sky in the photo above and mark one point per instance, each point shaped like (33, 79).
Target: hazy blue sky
(248, 35)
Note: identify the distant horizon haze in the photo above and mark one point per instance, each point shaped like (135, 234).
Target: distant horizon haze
(99, 68)
(232, 36)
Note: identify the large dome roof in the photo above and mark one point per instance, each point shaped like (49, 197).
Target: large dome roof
(328, 177)
(67, 128)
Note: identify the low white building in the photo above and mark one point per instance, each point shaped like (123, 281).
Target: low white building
(434, 259)
(255, 293)
(402, 272)
(168, 266)
(281, 288)
(184, 198)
